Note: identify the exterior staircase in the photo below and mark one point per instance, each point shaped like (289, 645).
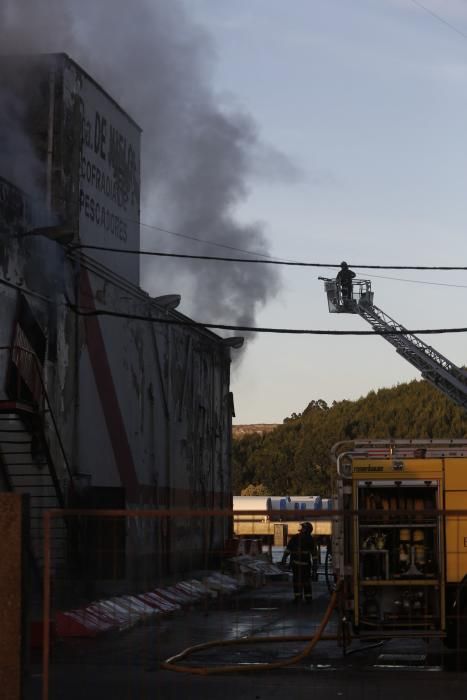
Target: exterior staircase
(28, 433)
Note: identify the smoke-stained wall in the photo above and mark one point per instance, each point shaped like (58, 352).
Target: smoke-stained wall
(155, 410)
(140, 406)
(200, 148)
(76, 152)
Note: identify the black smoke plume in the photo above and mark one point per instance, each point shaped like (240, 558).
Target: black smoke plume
(198, 155)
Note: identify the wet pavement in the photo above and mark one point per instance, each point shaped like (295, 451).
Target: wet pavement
(127, 664)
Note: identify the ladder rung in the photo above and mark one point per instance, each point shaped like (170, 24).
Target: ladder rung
(33, 479)
(58, 506)
(12, 430)
(27, 464)
(31, 488)
(13, 475)
(50, 496)
(15, 442)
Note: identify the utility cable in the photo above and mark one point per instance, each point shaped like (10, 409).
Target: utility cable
(271, 261)
(186, 236)
(256, 329)
(372, 276)
(28, 292)
(439, 18)
(80, 311)
(216, 258)
(200, 240)
(170, 232)
(401, 279)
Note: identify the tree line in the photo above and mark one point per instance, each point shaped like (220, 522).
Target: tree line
(295, 457)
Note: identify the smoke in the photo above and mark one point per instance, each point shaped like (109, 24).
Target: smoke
(20, 164)
(198, 154)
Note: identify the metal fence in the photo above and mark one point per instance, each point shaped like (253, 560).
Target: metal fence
(137, 588)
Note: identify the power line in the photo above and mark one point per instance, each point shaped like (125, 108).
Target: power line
(291, 263)
(256, 329)
(214, 258)
(173, 233)
(439, 18)
(197, 239)
(223, 326)
(402, 279)
(28, 292)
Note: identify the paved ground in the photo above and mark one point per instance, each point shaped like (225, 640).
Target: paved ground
(127, 665)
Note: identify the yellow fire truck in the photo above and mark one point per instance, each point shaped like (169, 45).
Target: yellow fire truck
(400, 545)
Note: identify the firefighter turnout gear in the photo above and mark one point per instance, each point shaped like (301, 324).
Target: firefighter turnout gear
(302, 551)
(344, 280)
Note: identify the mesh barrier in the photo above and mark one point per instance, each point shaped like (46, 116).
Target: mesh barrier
(124, 591)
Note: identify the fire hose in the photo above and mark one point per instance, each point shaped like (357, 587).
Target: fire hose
(172, 664)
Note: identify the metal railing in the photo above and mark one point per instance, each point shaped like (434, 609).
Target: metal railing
(25, 384)
(360, 293)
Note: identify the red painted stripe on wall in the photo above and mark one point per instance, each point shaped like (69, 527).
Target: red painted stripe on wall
(107, 394)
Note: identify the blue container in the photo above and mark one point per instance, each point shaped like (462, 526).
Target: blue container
(316, 502)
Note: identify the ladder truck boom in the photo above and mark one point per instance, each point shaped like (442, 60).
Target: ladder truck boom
(434, 367)
(400, 547)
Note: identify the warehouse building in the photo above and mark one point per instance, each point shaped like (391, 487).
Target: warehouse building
(97, 410)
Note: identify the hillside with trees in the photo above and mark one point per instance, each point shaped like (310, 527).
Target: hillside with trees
(239, 431)
(295, 457)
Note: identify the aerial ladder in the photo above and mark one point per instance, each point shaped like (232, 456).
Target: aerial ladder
(396, 486)
(434, 367)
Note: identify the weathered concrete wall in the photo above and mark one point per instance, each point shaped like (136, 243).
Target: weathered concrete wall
(143, 406)
(163, 410)
(140, 405)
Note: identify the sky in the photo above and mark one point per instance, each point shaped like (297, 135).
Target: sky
(313, 130)
(367, 101)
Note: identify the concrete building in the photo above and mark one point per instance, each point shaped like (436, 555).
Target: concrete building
(97, 410)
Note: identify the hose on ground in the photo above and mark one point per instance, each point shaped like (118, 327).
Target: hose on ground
(365, 648)
(171, 664)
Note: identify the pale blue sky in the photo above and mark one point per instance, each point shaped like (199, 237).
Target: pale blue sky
(369, 99)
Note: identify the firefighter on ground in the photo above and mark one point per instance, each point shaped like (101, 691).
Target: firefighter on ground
(303, 560)
(344, 280)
